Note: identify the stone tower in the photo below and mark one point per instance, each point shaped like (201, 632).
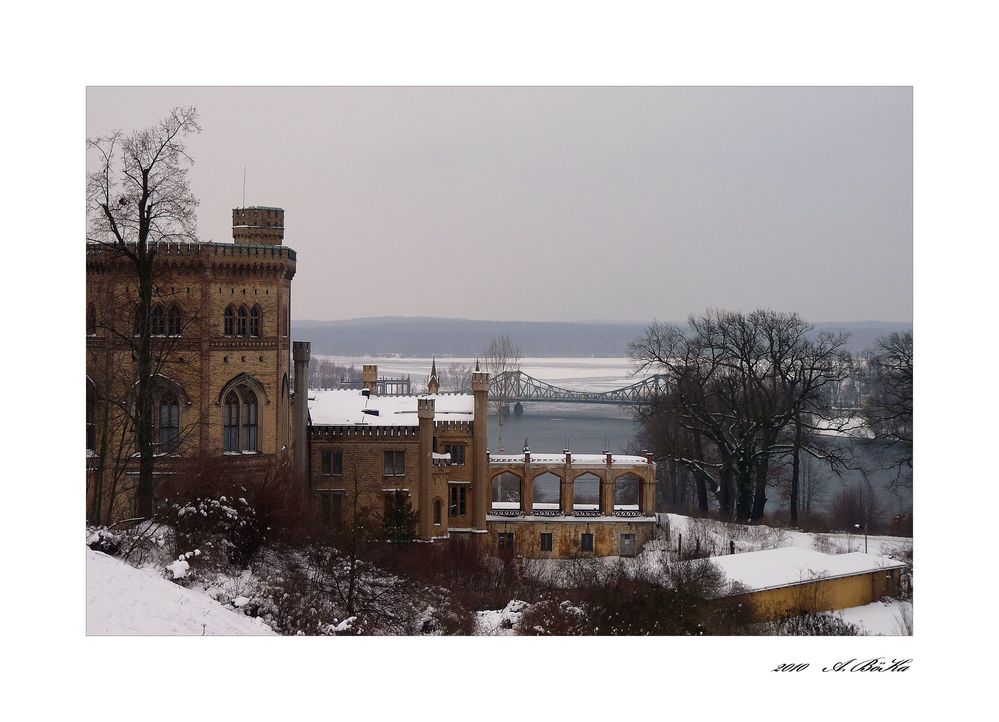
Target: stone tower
(480, 436)
(425, 413)
(258, 226)
(370, 376)
(301, 352)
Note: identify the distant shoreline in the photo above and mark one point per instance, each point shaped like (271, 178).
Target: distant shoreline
(419, 336)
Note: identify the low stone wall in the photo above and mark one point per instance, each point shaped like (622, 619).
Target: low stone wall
(567, 535)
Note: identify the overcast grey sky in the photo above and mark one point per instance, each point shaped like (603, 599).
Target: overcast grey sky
(542, 204)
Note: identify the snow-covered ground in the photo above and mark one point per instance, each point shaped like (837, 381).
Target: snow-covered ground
(760, 536)
(124, 600)
(500, 622)
(891, 618)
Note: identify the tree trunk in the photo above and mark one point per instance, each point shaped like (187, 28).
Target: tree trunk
(744, 488)
(144, 400)
(726, 494)
(760, 488)
(702, 493)
(795, 470)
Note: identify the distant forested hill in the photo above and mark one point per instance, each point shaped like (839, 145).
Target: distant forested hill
(421, 336)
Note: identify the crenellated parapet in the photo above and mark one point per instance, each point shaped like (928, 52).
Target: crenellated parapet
(222, 259)
(329, 433)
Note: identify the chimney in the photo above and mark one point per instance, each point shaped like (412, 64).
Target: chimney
(370, 372)
(301, 351)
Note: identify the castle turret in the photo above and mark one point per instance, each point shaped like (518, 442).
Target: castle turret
(258, 225)
(425, 413)
(370, 372)
(301, 352)
(480, 440)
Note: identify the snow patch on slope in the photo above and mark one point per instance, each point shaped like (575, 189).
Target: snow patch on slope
(124, 600)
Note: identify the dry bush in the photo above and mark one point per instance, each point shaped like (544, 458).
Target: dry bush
(858, 504)
(900, 525)
(903, 620)
(280, 500)
(681, 598)
(808, 625)
(825, 544)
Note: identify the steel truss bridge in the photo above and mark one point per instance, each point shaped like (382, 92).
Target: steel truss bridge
(516, 386)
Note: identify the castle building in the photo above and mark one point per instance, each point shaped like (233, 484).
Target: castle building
(221, 321)
(431, 451)
(222, 361)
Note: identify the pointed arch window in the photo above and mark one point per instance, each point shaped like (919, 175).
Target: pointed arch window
(159, 322)
(169, 436)
(241, 321)
(249, 418)
(230, 423)
(506, 492)
(586, 493)
(230, 321)
(91, 319)
(438, 512)
(173, 320)
(255, 321)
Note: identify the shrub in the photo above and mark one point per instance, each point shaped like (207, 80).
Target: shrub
(227, 526)
(809, 625)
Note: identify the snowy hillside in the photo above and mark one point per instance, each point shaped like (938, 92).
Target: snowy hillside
(124, 600)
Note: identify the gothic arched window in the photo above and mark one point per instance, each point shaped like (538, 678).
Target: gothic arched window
(438, 512)
(159, 322)
(249, 419)
(586, 492)
(230, 321)
(547, 491)
(230, 423)
(169, 423)
(255, 321)
(241, 321)
(91, 319)
(173, 320)
(506, 491)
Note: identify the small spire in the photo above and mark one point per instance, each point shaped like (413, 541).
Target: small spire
(433, 384)
(476, 364)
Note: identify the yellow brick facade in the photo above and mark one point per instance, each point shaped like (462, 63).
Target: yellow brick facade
(200, 356)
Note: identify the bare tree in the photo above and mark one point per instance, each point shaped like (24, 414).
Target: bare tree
(501, 357)
(887, 407)
(456, 378)
(138, 198)
(735, 383)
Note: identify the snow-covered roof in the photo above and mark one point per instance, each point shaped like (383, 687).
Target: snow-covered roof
(785, 566)
(348, 407)
(577, 459)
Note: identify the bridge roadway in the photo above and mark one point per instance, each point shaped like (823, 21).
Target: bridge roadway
(517, 386)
